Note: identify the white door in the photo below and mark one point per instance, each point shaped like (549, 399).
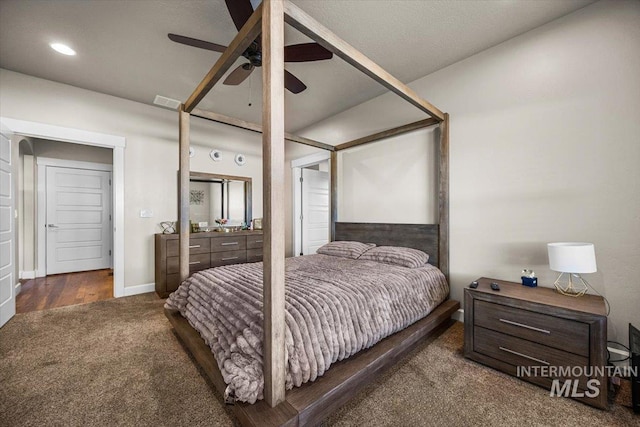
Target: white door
(7, 233)
(315, 210)
(78, 219)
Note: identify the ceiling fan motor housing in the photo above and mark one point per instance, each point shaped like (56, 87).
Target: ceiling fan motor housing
(254, 54)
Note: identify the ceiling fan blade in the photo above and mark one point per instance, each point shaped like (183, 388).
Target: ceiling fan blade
(240, 11)
(306, 52)
(239, 75)
(292, 83)
(197, 43)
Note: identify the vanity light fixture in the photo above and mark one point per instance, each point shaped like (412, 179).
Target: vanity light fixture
(63, 49)
(240, 159)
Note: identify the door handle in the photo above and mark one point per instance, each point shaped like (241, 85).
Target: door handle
(52, 226)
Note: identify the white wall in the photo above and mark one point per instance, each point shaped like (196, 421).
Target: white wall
(151, 154)
(69, 151)
(545, 146)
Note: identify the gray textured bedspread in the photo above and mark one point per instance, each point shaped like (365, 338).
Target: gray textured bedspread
(335, 307)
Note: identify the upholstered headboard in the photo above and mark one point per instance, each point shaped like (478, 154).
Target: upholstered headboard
(416, 236)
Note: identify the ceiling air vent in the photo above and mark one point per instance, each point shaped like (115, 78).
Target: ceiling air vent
(163, 101)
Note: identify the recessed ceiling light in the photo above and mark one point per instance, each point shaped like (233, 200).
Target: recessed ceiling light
(63, 49)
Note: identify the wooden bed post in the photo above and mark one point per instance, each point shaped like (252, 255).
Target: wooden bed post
(183, 193)
(274, 201)
(333, 201)
(443, 204)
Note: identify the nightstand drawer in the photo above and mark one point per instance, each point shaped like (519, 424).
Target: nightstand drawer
(519, 352)
(564, 334)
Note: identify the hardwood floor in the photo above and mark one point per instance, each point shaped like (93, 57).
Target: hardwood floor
(61, 290)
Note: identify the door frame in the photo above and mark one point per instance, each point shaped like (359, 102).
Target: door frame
(41, 203)
(296, 173)
(79, 136)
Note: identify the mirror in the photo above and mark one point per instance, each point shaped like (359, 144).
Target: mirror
(214, 197)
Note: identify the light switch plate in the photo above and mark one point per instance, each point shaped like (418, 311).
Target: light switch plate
(146, 213)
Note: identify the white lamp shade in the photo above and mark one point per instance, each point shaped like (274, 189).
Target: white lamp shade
(572, 257)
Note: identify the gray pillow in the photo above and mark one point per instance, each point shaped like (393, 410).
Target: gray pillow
(345, 249)
(396, 255)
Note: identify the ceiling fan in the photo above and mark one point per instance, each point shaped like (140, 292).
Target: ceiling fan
(240, 11)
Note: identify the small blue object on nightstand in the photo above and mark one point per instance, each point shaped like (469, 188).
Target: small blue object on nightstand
(529, 278)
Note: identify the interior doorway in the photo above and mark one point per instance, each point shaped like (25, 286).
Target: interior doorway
(72, 225)
(15, 128)
(76, 215)
(311, 203)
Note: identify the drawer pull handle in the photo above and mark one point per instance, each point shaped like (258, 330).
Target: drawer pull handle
(544, 331)
(230, 258)
(544, 362)
(193, 246)
(258, 241)
(194, 262)
(228, 243)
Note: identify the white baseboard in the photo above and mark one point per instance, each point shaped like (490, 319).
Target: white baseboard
(27, 274)
(138, 289)
(18, 288)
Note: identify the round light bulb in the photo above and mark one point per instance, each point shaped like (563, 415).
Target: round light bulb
(63, 49)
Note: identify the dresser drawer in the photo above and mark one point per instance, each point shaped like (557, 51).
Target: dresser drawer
(229, 257)
(197, 245)
(231, 243)
(519, 352)
(255, 242)
(173, 281)
(197, 262)
(254, 255)
(563, 334)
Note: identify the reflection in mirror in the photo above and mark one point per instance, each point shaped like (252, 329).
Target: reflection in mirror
(216, 198)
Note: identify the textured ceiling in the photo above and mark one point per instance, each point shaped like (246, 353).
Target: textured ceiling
(123, 49)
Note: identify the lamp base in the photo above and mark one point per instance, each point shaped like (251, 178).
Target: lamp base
(571, 288)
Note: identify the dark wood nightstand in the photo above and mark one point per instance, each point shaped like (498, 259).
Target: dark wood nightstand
(520, 326)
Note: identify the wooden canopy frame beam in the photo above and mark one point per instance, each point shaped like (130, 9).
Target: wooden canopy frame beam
(269, 19)
(254, 127)
(388, 133)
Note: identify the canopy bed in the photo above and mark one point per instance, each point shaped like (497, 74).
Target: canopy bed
(312, 401)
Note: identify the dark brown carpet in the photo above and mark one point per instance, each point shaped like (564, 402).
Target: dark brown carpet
(117, 362)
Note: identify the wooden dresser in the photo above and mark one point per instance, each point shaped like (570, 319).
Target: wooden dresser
(205, 250)
(527, 327)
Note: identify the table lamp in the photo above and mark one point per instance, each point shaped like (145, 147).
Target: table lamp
(572, 258)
